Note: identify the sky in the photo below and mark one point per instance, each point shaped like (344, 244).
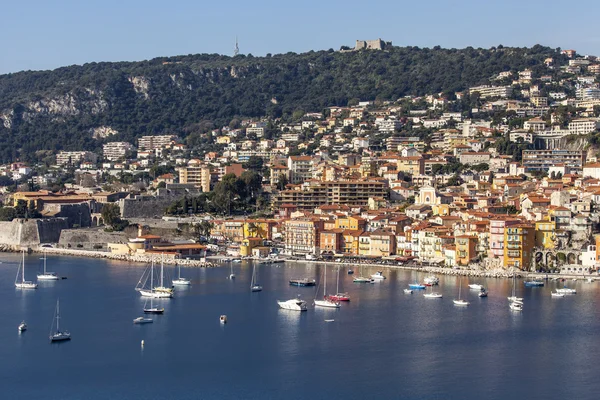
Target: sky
(42, 34)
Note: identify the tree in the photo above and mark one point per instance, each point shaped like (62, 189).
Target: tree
(111, 213)
(7, 214)
(21, 209)
(254, 163)
(282, 182)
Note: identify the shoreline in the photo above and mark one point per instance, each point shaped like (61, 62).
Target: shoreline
(217, 261)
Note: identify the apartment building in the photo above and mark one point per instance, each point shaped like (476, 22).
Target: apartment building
(519, 241)
(75, 157)
(542, 160)
(114, 151)
(465, 246)
(583, 126)
(411, 165)
(302, 236)
(486, 91)
(300, 168)
(535, 125)
(155, 142)
(196, 173)
(587, 93)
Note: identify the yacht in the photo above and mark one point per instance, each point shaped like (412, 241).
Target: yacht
(566, 290)
(513, 297)
(181, 281)
(408, 291)
(46, 275)
(476, 286)
(22, 327)
(22, 283)
(459, 301)
(362, 279)
(416, 286)
(339, 296)
(254, 287)
(431, 280)
(162, 288)
(58, 335)
(231, 274)
(142, 320)
(378, 276)
(432, 295)
(482, 293)
(293, 304)
(326, 302)
(223, 319)
(152, 291)
(303, 282)
(516, 306)
(557, 294)
(152, 309)
(534, 283)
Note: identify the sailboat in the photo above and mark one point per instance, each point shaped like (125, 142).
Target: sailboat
(162, 287)
(432, 294)
(326, 302)
(181, 281)
(152, 309)
(231, 274)
(339, 296)
(23, 284)
(58, 335)
(254, 287)
(47, 276)
(151, 292)
(459, 301)
(362, 279)
(514, 297)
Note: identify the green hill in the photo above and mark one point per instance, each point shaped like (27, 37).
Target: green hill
(59, 109)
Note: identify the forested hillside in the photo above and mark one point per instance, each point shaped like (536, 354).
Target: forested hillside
(73, 107)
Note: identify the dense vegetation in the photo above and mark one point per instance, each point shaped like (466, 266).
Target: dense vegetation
(54, 110)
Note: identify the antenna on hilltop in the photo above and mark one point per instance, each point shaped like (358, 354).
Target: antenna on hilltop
(236, 50)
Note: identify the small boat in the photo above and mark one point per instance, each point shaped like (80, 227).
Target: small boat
(46, 275)
(483, 293)
(152, 309)
(180, 281)
(534, 283)
(254, 287)
(292, 304)
(566, 290)
(142, 320)
(433, 295)
(158, 292)
(326, 302)
(329, 320)
(431, 280)
(476, 286)
(590, 280)
(22, 327)
(378, 276)
(236, 260)
(514, 298)
(22, 283)
(557, 294)
(516, 306)
(303, 282)
(58, 335)
(350, 272)
(416, 286)
(339, 297)
(231, 274)
(459, 301)
(223, 319)
(408, 291)
(362, 279)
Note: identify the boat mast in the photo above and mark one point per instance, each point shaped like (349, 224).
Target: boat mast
(57, 316)
(152, 277)
(23, 276)
(325, 281)
(337, 288)
(161, 269)
(44, 262)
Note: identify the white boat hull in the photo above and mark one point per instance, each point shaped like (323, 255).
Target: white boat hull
(566, 291)
(433, 295)
(156, 295)
(256, 288)
(516, 307)
(142, 320)
(513, 298)
(475, 286)
(26, 285)
(460, 302)
(295, 305)
(555, 294)
(60, 337)
(181, 282)
(49, 276)
(326, 304)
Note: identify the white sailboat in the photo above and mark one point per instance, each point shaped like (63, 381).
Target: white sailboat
(47, 276)
(432, 294)
(326, 302)
(162, 288)
(231, 274)
(151, 291)
(459, 301)
(514, 297)
(339, 296)
(152, 309)
(22, 283)
(58, 335)
(254, 287)
(181, 281)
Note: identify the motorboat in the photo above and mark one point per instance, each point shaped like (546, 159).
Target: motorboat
(303, 282)
(142, 320)
(22, 283)
(58, 335)
(236, 260)
(22, 327)
(433, 295)
(362, 279)
(514, 298)
(431, 280)
(47, 275)
(350, 272)
(460, 302)
(482, 293)
(557, 294)
(566, 290)
(476, 286)
(516, 306)
(408, 291)
(292, 304)
(378, 276)
(416, 286)
(534, 283)
(223, 319)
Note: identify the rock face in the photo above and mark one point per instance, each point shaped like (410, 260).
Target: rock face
(103, 132)
(141, 84)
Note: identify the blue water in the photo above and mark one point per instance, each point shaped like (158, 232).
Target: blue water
(383, 344)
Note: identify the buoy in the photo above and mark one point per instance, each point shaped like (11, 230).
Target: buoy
(223, 319)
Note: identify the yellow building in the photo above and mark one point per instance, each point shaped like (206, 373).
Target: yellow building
(350, 240)
(196, 173)
(440, 209)
(249, 244)
(223, 140)
(519, 241)
(351, 222)
(411, 165)
(544, 234)
(465, 249)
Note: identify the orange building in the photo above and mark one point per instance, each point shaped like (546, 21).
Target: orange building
(465, 249)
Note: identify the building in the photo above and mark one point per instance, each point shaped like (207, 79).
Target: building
(519, 241)
(114, 151)
(377, 44)
(535, 125)
(75, 157)
(155, 142)
(542, 160)
(471, 157)
(313, 194)
(465, 247)
(587, 93)
(196, 173)
(486, 91)
(382, 243)
(583, 126)
(302, 236)
(300, 168)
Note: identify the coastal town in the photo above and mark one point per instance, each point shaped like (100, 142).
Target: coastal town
(504, 175)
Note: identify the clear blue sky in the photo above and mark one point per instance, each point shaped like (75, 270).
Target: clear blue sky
(42, 34)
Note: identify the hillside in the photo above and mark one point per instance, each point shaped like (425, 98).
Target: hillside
(75, 107)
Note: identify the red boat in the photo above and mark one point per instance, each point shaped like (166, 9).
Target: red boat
(339, 297)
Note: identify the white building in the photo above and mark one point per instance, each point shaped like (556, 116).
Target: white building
(583, 126)
(491, 91)
(74, 157)
(113, 151)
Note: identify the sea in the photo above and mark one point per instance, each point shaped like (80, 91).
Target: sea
(383, 344)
